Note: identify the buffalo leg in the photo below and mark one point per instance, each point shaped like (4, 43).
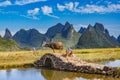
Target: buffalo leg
(53, 49)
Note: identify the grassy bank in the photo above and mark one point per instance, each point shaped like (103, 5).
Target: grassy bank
(26, 58)
(97, 55)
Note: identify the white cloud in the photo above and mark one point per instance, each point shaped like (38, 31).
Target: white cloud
(60, 7)
(5, 3)
(23, 2)
(74, 7)
(90, 9)
(48, 11)
(69, 6)
(19, 2)
(32, 14)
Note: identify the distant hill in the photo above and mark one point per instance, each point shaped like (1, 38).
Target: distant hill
(91, 37)
(54, 30)
(8, 45)
(7, 35)
(118, 39)
(59, 32)
(29, 38)
(82, 29)
(64, 33)
(96, 37)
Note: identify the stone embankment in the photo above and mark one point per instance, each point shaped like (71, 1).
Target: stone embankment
(74, 64)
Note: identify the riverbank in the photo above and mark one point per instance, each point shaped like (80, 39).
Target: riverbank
(26, 58)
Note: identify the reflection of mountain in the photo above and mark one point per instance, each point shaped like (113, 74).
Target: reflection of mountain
(62, 75)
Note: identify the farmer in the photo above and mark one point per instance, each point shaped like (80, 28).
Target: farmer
(69, 51)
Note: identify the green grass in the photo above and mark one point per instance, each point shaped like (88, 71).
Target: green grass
(97, 55)
(26, 58)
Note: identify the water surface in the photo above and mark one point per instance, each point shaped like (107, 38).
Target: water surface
(115, 63)
(46, 74)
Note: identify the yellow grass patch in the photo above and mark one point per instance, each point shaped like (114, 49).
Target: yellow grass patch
(23, 58)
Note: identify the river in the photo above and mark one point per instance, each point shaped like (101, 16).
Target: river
(46, 74)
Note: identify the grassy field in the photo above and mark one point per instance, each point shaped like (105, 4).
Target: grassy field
(26, 58)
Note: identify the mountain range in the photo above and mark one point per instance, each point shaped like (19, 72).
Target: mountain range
(91, 37)
(97, 37)
(29, 38)
(63, 33)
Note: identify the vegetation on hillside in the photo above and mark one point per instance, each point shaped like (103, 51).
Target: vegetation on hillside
(8, 45)
(97, 37)
(67, 42)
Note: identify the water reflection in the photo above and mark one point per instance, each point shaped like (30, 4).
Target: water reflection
(61, 75)
(45, 74)
(115, 63)
(21, 74)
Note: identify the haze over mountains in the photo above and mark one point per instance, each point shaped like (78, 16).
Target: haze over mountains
(91, 37)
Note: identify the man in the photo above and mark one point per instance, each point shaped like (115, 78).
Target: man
(69, 51)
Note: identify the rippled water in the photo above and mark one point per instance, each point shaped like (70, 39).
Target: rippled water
(45, 74)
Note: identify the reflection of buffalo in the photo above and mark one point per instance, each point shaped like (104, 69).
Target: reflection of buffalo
(54, 45)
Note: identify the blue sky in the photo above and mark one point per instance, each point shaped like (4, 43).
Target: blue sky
(42, 14)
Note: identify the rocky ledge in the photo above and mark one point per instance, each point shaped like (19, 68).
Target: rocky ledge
(74, 64)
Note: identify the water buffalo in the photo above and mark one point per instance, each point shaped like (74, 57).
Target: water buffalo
(53, 45)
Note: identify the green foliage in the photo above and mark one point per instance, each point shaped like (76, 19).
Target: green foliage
(8, 45)
(71, 42)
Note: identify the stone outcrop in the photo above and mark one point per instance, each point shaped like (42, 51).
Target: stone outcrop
(74, 64)
(7, 35)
